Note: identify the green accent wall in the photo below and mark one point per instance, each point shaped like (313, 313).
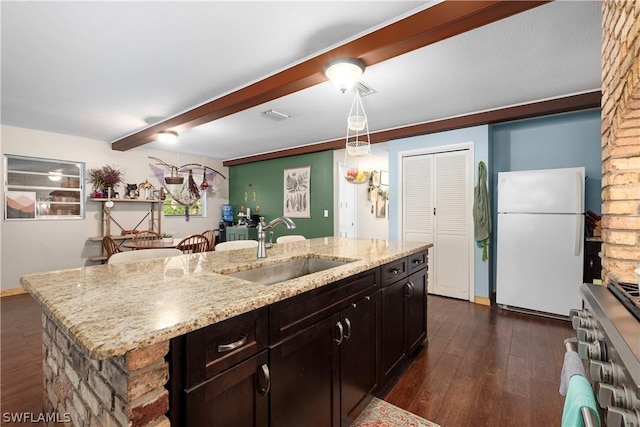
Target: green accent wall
(266, 180)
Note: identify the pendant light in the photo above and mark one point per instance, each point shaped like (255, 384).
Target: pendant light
(345, 74)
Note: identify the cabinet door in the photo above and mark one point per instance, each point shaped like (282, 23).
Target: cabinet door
(416, 310)
(392, 327)
(237, 397)
(305, 372)
(358, 357)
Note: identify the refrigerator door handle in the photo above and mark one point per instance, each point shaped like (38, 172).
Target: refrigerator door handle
(578, 243)
(579, 193)
(579, 211)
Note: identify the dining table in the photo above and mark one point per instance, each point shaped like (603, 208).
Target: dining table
(150, 244)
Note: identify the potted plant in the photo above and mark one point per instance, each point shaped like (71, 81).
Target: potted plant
(104, 179)
(167, 236)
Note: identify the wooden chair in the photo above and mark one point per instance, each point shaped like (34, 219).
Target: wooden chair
(211, 237)
(236, 244)
(110, 246)
(132, 256)
(146, 236)
(290, 238)
(193, 244)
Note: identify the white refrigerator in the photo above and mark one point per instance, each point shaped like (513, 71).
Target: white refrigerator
(540, 240)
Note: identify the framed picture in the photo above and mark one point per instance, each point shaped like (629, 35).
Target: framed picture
(297, 192)
(20, 205)
(381, 207)
(384, 177)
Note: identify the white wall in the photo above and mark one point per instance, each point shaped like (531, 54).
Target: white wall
(41, 245)
(368, 225)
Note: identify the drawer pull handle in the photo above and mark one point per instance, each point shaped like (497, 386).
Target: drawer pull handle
(367, 298)
(223, 348)
(340, 333)
(267, 380)
(348, 323)
(417, 261)
(395, 271)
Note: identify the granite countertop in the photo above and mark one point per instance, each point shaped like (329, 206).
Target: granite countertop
(111, 309)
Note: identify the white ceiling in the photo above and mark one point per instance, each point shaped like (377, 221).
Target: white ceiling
(104, 70)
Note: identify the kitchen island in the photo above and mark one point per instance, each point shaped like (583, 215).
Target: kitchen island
(108, 328)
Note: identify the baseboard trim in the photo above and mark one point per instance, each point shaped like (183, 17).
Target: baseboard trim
(12, 292)
(482, 300)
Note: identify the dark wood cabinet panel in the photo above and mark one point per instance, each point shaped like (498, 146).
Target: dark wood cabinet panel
(592, 261)
(216, 348)
(237, 397)
(417, 261)
(416, 311)
(392, 327)
(393, 271)
(358, 373)
(305, 372)
(403, 316)
(294, 314)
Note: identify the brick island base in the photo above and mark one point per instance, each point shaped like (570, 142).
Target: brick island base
(123, 391)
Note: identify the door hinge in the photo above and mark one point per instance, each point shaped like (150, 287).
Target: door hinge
(434, 211)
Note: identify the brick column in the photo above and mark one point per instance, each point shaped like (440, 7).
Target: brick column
(118, 392)
(620, 140)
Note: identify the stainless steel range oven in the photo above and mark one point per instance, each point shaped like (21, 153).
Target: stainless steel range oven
(608, 332)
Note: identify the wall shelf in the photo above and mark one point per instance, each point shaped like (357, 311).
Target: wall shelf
(106, 220)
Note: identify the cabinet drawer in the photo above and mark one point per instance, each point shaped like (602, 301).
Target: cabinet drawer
(393, 271)
(417, 261)
(292, 315)
(215, 348)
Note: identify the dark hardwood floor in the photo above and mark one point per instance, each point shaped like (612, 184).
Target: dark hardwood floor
(483, 366)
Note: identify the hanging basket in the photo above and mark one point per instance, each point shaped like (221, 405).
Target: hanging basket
(356, 176)
(357, 148)
(356, 122)
(174, 180)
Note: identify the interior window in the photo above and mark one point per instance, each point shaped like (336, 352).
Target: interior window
(37, 188)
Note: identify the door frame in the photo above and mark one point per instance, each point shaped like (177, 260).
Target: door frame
(340, 183)
(471, 165)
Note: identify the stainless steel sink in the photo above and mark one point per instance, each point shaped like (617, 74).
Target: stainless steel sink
(287, 270)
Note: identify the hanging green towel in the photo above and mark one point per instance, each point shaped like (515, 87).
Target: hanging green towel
(579, 395)
(482, 211)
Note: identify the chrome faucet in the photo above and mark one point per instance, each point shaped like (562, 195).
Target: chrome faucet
(262, 228)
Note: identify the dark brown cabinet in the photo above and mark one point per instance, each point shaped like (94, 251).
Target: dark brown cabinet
(592, 261)
(358, 357)
(311, 360)
(402, 314)
(220, 376)
(237, 397)
(305, 388)
(323, 375)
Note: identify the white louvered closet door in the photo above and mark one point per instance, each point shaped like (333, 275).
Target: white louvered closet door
(451, 225)
(436, 208)
(417, 209)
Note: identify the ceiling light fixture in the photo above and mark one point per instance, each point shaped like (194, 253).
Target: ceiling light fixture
(344, 73)
(168, 136)
(55, 176)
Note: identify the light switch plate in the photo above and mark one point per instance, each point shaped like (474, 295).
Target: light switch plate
(326, 213)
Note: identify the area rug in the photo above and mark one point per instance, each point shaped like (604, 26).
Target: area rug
(379, 413)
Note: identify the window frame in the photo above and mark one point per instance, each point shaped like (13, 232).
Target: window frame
(27, 176)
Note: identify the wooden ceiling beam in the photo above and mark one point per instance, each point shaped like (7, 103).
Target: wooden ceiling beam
(585, 101)
(426, 27)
